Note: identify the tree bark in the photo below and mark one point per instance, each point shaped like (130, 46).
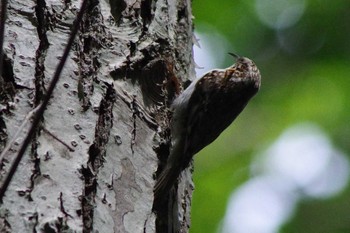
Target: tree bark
(93, 162)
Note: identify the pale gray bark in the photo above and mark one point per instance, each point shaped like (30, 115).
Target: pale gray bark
(109, 107)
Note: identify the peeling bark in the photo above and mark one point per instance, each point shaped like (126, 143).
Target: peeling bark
(105, 136)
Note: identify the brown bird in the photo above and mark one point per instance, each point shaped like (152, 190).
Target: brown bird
(204, 110)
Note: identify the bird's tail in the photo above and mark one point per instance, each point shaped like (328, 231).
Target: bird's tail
(166, 201)
(165, 181)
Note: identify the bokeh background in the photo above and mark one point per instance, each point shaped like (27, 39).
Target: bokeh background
(283, 165)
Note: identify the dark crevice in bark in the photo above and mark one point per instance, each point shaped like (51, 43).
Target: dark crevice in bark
(3, 137)
(162, 206)
(96, 156)
(3, 12)
(184, 56)
(67, 2)
(5, 225)
(43, 25)
(55, 225)
(88, 195)
(91, 39)
(134, 110)
(117, 8)
(7, 93)
(166, 207)
(63, 210)
(146, 12)
(7, 72)
(182, 13)
(35, 173)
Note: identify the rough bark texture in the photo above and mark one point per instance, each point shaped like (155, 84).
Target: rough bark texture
(110, 106)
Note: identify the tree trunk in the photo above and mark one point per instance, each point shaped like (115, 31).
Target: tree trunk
(93, 162)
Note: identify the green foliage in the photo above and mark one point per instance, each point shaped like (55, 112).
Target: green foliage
(305, 70)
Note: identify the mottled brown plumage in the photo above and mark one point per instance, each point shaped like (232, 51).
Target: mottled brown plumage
(205, 109)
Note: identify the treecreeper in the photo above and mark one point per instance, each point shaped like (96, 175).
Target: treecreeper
(204, 110)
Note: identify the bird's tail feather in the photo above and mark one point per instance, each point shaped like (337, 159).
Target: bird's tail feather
(165, 181)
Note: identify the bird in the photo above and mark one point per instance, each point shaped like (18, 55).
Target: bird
(203, 111)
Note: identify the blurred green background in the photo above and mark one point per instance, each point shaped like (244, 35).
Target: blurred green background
(302, 48)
